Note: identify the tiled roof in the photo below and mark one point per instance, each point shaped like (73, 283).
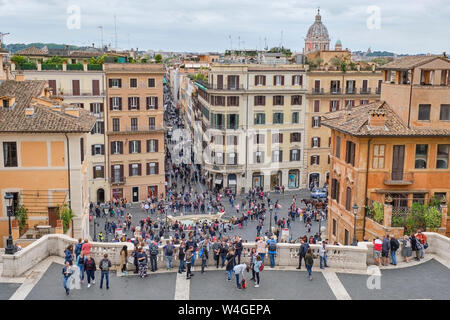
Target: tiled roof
(133, 67)
(356, 122)
(410, 62)
(31, 51)
(44, 119)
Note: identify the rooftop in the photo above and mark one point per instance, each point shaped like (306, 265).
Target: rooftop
(410, 62)
(44, 118)
(134, 67)
(355, 121)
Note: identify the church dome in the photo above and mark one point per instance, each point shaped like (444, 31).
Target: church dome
(318, 30)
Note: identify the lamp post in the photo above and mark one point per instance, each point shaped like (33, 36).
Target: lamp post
(355, 211)
(10, 248)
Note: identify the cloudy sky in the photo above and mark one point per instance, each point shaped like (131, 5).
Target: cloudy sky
(404, 26)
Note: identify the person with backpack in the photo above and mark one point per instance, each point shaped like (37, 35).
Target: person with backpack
(181, 257)
(394, 247)
(309, 261)
(189, 262)
(272, 250)
(105, 265)
(257, 268)
(81, 259)
(169, 249)
(154, 256)
(90, 269)
(68, 254)
(204, 254)
(78, 247)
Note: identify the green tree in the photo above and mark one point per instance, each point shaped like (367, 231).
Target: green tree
(66, 215)
(19, 60)
(378, 212)
(158, 58)
(21, 215)
(432, 217)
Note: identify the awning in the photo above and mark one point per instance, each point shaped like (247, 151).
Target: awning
(218, 181)
(232, 182)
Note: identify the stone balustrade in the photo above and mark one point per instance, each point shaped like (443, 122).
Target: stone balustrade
(341, 257)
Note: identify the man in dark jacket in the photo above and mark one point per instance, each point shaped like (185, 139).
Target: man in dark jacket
(105, 265)
(394, 247)
(385, 248)
(154, 256)
(302, 253)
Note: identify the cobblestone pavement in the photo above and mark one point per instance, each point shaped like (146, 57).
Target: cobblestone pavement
(429, 280)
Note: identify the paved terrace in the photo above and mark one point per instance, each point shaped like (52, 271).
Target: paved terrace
(346, 279)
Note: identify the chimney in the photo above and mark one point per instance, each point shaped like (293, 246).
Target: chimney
(377, 118)
(20, 77)
(29, 111)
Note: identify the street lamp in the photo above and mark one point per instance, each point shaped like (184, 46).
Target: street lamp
(10, 248)
(355, 211)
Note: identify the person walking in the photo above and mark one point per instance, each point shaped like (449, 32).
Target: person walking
(169, 249)
(394, 247)
(261, 248)
(385, 248)
(68, 255)
(257, 268)
(105, 265)
(406, 248)
(81, 260)
(153, 249)
(323, 254)
(67, 272)
(86, 247)
(229, 263)
(309, 261)
(78, 247)
(272, 250)
(181, 257)
(189, 262)
(123, 260)
(304, 246)
(238, 272)
(90, 269)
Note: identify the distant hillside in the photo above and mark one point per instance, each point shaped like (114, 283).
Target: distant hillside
(14, 47)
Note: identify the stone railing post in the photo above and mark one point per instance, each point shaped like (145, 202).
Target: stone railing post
(64, 66)
(444, 211)
(13, 66)
(387, 215)
(39, 65)
(85, 65)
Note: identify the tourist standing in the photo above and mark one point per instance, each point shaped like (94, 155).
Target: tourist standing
(406, 248)
(68, 254)
(394, 247)
(216, 251)
(169, 248)
(422, 238)
(272, 250)
(105, 265)
(377, 246)
(229, 263)
(123, 260)
(257, 268)
(309, 261)
(67, 272)
(304, 246)
(81, 260)
(385, 248)
(261, 248)
(323, 254)
(154, 256)
(189, 262)
(181, 257)
(90, 269)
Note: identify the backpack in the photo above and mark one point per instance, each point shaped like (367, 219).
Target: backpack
(272, 246)
(396, 245)
(169, 251)
(244, 284)
(261, 267)
(105, 265)
(154, 250)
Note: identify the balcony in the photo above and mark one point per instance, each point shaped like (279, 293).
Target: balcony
(378, 91)
(335, 90)
(97, 115)
(398, 178)
(317, 91)
(235, 87)
(365, 90)
(117, 180)
(136, 130)
(350, 90)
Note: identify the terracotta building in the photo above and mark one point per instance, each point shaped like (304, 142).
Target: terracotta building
(43, 155)
(135, 131)
(395, 151)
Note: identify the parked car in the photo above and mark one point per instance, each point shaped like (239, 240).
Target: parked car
(319, 193)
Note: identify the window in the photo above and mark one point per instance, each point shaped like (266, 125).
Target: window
(151, 123)
(115, 103)
(98, 128)
(135, 146)
(278, 80)
(152, 145)
(277, 156)
(116, 124)
(151, 82)
(424, 112)
(259, 138)
(218, 158)
(258, 157)
(348, 199)
(335, 190)
(316, 105)
(260, 100)
(378, 156)
(96, 108)
(260, 80)
(277, 138)
(334, 105)
(76, 87)
(297, 80)
(315, 142)
(296, 137)
(133, 103)
(116, 147)
(296, 100)
(315, 160)
(338, 147)
(99, 172)
(134, 124)
(364, 102)
(349, 103)
(152, 168)
(350, 153)
(442, 156)
(445, 112)
(278, 118)
(260, 118)
(98, 149)
(152, 103)
(421, 156)
(295, 118)
(351, 86)
(232, 140)
(10, 154)
(278, 100)
(294, 155)
(219, 101)
(233, 101)
(232, 158)
(232, 121)
(233, 82)
(133, 83)
(316, 122)
(6, 103)
(134, 169)
(334, 227)
(335, 86)
(115, 83)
